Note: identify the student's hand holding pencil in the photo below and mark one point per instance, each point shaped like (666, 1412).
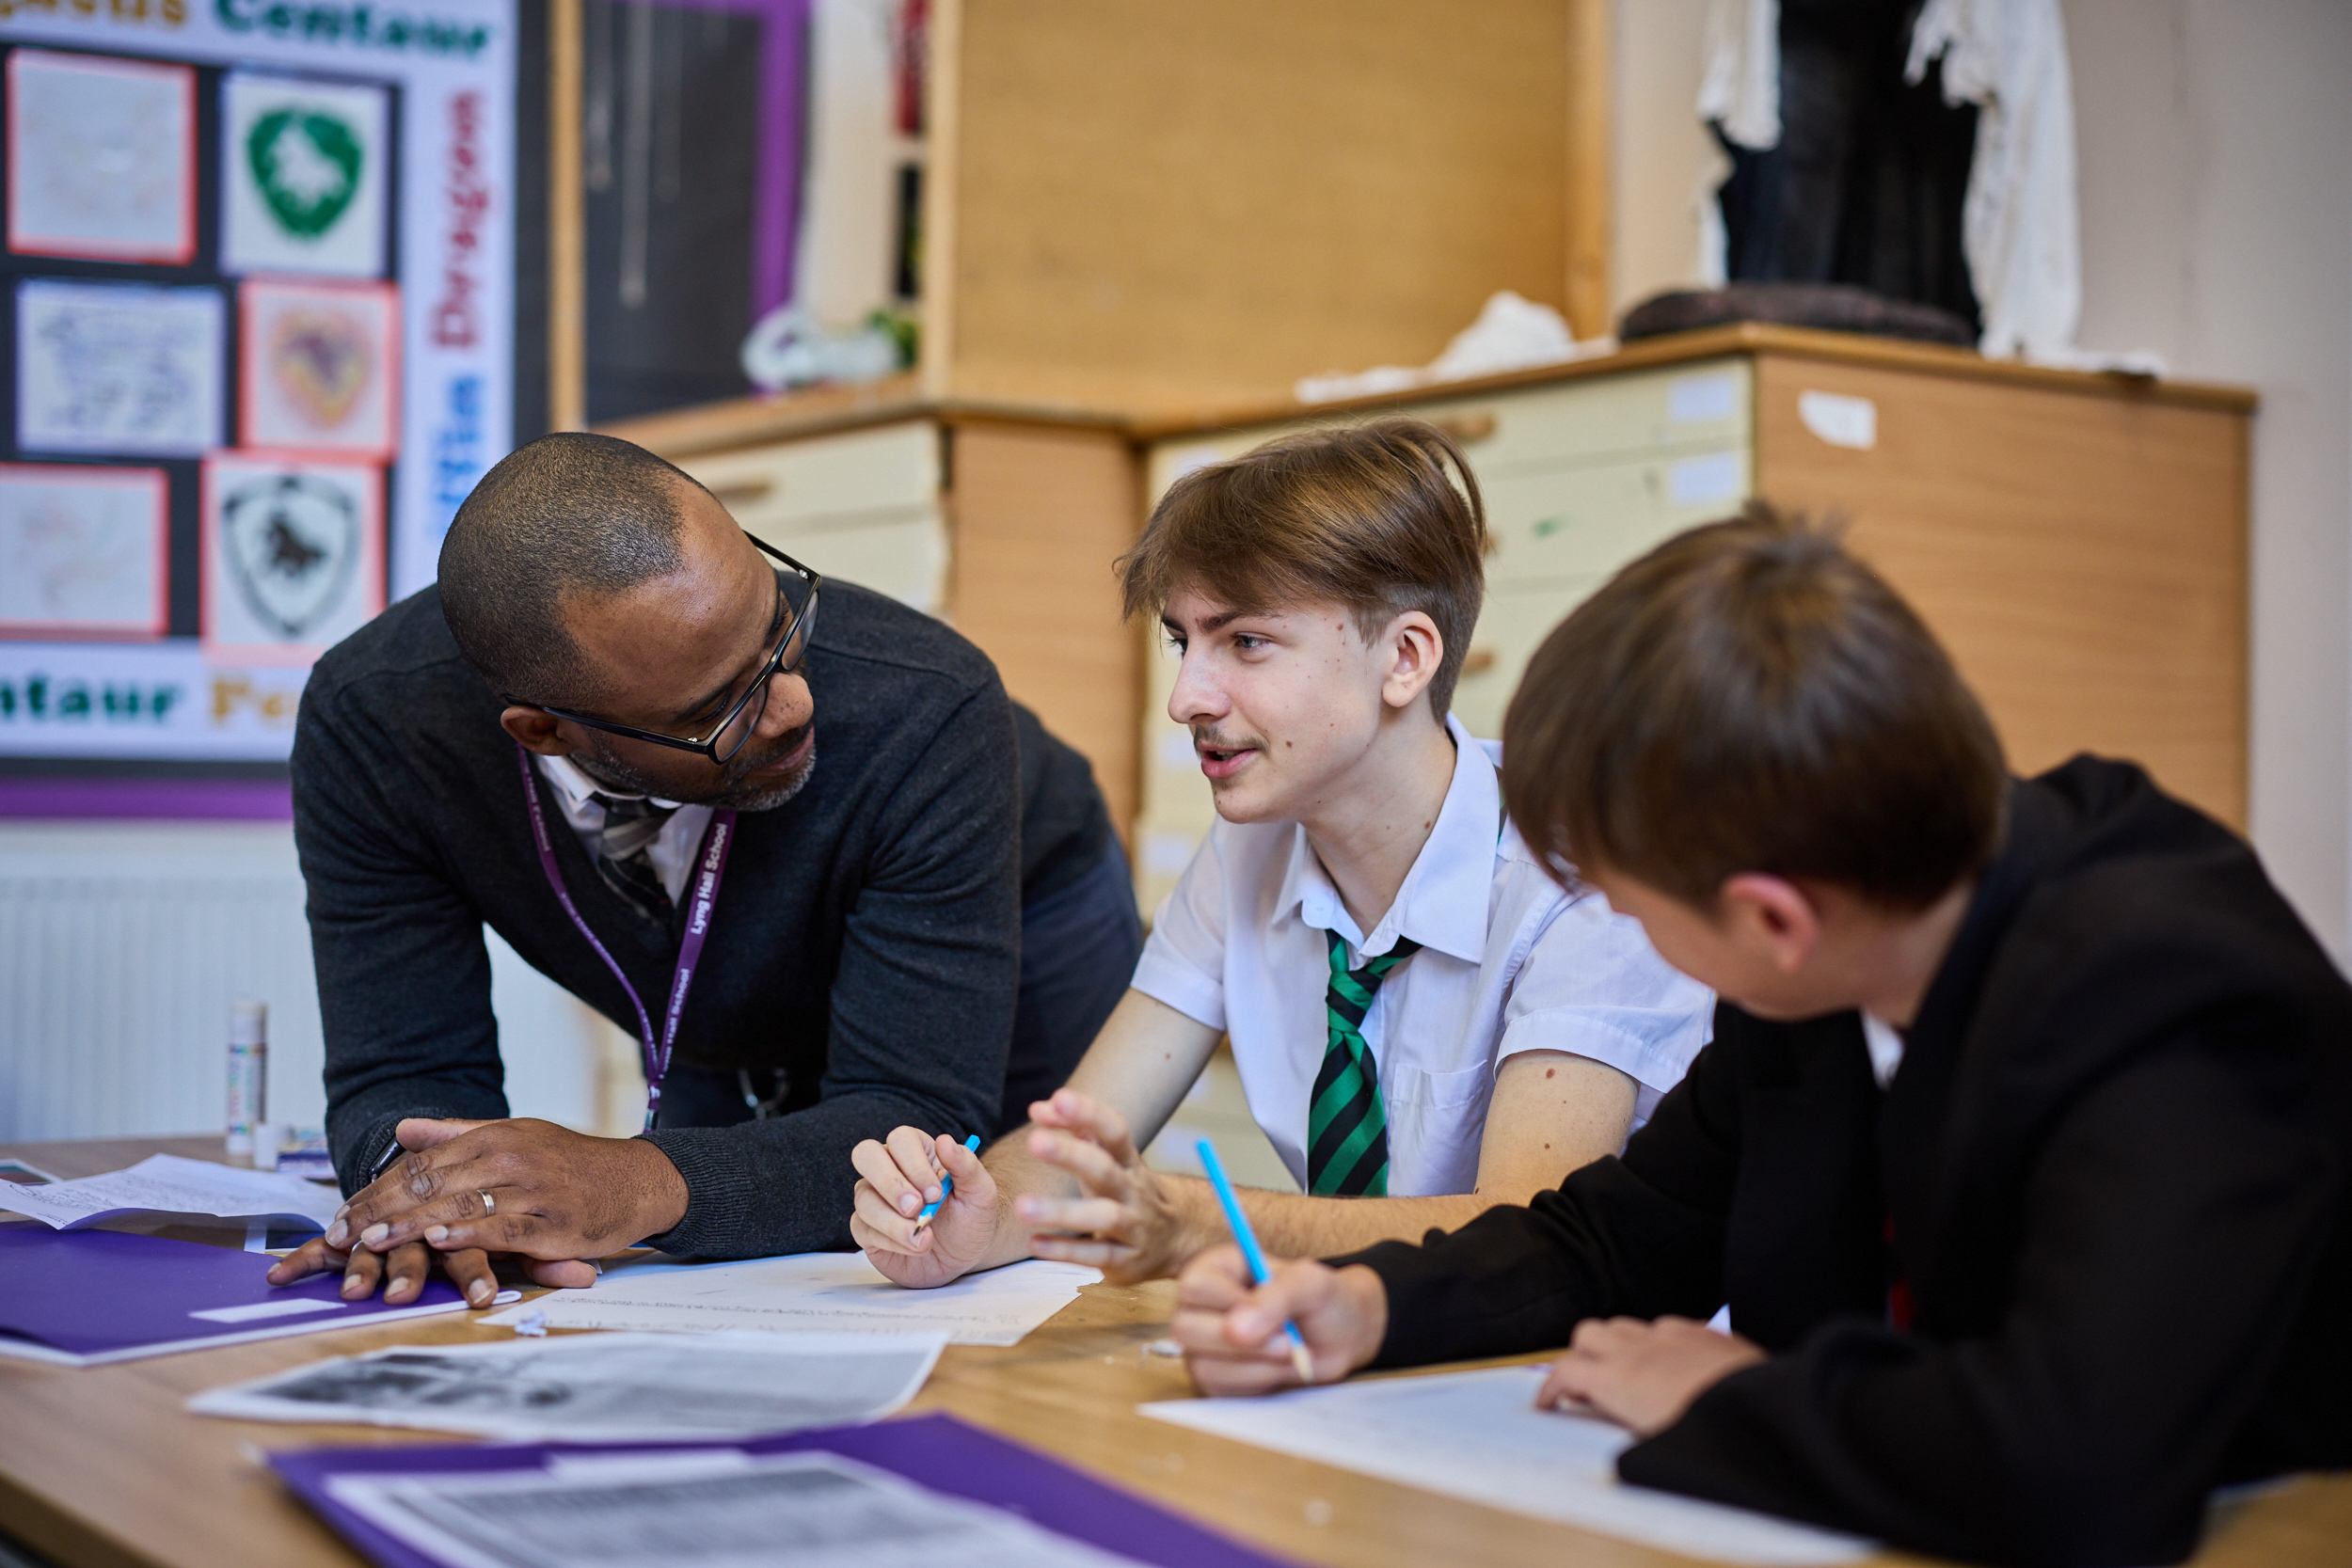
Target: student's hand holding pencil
(899, 1180)
(1232, 1333)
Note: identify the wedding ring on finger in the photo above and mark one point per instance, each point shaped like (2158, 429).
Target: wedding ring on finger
(490, 1204)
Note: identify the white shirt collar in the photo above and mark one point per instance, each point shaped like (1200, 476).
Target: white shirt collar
(577, 787)
(1885, 1044)
(1443, 902)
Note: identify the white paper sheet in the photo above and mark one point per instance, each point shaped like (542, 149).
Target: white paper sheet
(708, 1510)
(602, 1388)
(102, 167)
(84, 551)
(1478, 1437)
(118, 368)
(166, 1183)
(814, 1291)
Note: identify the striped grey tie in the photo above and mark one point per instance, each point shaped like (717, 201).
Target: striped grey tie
(624, 854)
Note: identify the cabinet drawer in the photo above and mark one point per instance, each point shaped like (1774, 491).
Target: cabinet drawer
(903, 554)
(1703, 404)
(1686, 410)
(1514, 622)
(892, 468)
(1578, 522)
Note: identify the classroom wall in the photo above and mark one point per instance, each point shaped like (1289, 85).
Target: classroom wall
(2216, 223)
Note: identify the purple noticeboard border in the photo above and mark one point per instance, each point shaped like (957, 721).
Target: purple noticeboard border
(936, 1451)
(173, 800)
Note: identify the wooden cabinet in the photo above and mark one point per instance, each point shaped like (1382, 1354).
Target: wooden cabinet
(2078, 542)
(1002, 521)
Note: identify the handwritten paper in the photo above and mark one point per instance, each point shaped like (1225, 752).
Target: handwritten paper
(118, 368)
(814, 1291)
(1478, 1437)
(168, 1184)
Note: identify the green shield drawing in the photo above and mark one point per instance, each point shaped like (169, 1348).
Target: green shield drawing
(307, 163)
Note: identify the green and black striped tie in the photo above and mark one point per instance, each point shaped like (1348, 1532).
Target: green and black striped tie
(1347, 1132)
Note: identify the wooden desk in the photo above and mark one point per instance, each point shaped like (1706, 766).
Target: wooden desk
(100, 1468)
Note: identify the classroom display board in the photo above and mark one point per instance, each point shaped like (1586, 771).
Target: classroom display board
(259, 347)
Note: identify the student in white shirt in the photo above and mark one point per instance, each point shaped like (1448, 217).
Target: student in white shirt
(1492, 1031)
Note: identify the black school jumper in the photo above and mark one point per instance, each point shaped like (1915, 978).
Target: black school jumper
(866, 937)
(2114, 1167)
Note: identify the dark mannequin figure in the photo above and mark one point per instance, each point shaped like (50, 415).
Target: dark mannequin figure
(1866, 184)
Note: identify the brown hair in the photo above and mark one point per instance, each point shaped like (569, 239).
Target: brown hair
(1362, 516)
(1750, 697)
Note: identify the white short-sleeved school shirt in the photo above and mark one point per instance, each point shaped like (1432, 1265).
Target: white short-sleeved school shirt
(1509, 962)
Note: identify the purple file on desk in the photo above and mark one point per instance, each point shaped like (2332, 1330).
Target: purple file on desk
(937, 1452)
(80, 1297)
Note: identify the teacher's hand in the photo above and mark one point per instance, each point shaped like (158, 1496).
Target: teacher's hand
(521, 1186)
(402, 1271)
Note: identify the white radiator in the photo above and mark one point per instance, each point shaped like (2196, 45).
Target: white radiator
(121, 946)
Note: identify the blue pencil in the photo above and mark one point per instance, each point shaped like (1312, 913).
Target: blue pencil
(1250, 1253)
(946, 1185)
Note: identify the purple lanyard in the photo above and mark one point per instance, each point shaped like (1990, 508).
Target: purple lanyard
(710, 864)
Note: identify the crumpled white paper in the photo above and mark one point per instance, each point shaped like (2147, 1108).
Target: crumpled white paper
(1512, 333)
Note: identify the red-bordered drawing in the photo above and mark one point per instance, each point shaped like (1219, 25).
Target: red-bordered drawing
(102, 158)
(291, 555)
(318, 367)
(85, 553)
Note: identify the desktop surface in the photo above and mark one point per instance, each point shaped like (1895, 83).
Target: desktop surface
(100, 1467)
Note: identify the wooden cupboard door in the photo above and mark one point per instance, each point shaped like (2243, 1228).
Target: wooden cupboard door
(2082, 554)
(864, 506)
(1040, 514)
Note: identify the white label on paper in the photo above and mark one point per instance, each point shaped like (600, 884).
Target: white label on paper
(291, 1307)
(1839, 420)
(1706, 481)
(1700, 399)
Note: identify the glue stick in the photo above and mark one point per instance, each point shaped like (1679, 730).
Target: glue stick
(248, 1075)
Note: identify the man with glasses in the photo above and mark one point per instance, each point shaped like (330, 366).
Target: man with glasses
(598, 736)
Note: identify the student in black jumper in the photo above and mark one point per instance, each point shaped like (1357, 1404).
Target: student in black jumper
(926, 922)
(2023, 1151)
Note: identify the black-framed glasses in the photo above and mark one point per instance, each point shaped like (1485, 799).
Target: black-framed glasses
(736, 726)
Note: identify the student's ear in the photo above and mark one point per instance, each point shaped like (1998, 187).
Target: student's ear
(1770, 917)
(535, 730)
(1414, 648)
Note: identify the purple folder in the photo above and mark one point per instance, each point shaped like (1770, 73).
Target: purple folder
(937, 1452)
(86, 1296)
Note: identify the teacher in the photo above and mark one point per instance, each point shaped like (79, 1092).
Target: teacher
(599, 736)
